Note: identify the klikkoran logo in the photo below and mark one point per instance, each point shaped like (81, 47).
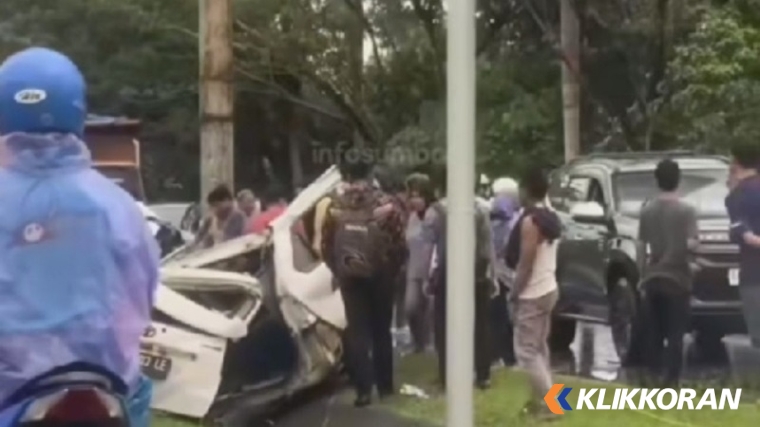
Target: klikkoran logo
(642, 398)
(556, 399)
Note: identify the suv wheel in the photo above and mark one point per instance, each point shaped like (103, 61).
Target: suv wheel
(622, 318)
(707, 345)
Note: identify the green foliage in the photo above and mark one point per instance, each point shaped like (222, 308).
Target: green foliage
(717, 75)
(655, 73)
(520, 118)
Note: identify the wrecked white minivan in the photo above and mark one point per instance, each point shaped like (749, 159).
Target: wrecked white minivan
(241, 327)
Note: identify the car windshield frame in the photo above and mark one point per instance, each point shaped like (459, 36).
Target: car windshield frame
(699, 196)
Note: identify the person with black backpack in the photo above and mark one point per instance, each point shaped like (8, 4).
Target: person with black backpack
(363, 244)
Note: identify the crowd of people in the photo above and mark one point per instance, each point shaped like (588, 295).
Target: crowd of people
(230, 217)
(384, 239)
(370, 222)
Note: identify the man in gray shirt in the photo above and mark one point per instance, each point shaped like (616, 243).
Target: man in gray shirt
(668, 236)
(225, 221)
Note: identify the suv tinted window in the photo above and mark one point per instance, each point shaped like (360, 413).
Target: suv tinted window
(568, 190)
(556, 182)
(576, 190)
(596, 193)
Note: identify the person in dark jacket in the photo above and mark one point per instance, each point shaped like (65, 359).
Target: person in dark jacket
(434, 226)
(743, 205)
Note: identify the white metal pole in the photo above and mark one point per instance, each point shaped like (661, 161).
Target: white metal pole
(460, 255)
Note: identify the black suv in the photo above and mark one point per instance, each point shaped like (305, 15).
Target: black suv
(599, 198)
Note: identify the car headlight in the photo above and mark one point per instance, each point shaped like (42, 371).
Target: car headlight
(714, 236)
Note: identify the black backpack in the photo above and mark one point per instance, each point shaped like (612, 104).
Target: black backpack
(358, 240)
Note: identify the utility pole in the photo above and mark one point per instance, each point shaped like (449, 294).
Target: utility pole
(216, 94)
(571, 90)
(460, 226)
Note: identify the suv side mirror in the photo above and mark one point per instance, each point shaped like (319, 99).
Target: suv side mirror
(588, 213)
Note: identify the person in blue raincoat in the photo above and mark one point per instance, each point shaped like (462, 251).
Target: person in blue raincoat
(78, 266)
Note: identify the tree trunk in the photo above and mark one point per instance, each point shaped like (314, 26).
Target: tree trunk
(355, 37)
(216, 94)
(571, 90)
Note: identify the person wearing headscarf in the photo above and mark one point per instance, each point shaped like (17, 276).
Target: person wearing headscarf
(505, 207)
(418, 305)
(79, 266)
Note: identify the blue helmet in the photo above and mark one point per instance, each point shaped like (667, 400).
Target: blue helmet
(41, 91)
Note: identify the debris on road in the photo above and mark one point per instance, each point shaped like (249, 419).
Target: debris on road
(414, 391)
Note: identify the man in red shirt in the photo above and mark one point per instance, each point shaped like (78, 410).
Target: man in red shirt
(275, 202)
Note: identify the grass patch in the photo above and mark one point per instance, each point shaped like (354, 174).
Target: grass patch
(500, 406)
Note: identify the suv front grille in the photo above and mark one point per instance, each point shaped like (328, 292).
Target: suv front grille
(711, 283)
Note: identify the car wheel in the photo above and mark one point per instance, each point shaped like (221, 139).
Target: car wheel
(562, 334)
(622, 317)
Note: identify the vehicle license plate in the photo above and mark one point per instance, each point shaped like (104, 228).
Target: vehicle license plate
(733, 277)
(155, 367)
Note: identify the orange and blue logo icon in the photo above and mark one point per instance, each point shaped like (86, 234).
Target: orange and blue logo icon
(556, 399)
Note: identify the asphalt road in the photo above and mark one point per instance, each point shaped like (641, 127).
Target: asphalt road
(331, 412)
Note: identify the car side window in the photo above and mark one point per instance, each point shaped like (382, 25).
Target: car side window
(556, 184)
(576, 190)
(596, 193)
